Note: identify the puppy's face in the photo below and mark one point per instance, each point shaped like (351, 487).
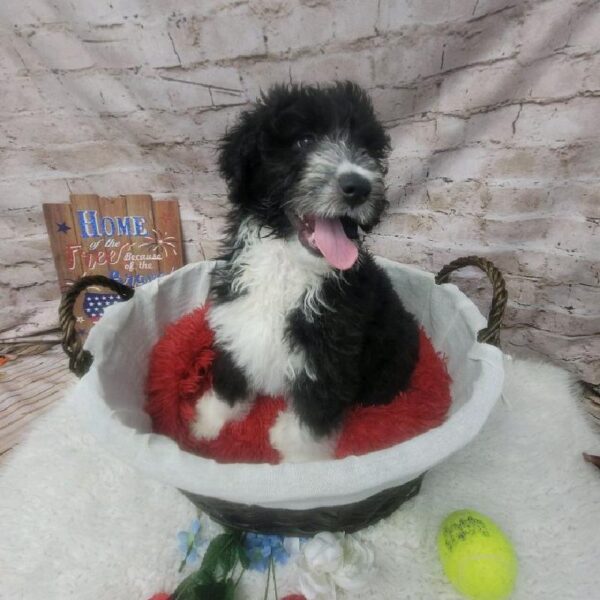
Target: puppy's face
(309, 162)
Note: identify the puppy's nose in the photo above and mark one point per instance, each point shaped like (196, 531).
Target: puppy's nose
(355, 187)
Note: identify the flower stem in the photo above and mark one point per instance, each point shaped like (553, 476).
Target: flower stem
(237, 581)
(187, 555)
(239, 577)
(268, 579)
(274, 580)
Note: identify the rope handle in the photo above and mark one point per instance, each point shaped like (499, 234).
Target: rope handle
(491, 333)
(80, 360)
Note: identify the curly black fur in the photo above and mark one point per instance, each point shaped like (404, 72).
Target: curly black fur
(364, 349)
(363, 352)
(261, 162)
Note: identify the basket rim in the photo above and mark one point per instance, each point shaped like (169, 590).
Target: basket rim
(284, 485)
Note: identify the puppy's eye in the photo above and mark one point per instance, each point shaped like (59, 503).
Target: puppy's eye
(304, 141)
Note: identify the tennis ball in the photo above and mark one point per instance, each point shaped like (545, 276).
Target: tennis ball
(477, 557)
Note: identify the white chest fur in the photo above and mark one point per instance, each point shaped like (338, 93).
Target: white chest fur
(277, 276)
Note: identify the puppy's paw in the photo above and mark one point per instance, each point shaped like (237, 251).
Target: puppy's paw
(212, 413)
(295, 442)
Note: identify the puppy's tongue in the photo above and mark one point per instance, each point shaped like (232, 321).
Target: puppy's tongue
(331, 240)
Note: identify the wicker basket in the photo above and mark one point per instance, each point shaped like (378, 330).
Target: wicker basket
(350, 516)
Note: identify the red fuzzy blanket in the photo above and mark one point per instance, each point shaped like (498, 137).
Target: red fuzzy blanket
(180, 372)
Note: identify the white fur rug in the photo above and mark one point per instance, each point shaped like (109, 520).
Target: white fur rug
(76, 523)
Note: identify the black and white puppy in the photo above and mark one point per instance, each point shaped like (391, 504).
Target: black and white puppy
(299, 307)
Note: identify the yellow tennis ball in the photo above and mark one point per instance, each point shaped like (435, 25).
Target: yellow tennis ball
(477, 557)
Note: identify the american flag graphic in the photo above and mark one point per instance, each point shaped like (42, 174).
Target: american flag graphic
(94, 304)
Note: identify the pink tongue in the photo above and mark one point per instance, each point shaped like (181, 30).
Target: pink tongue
(331, 240)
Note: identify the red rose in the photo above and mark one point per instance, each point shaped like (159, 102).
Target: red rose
(161, 596)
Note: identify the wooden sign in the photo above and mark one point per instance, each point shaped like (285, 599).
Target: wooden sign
(132, 239)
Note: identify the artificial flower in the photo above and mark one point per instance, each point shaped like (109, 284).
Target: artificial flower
(292, 545)
(261, 549)
(324, 553)
(333, 559)
(357, 566)
(189, 543)
(316, 586)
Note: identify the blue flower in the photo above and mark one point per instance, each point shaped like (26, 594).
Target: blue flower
(189, 543)
(261, 549)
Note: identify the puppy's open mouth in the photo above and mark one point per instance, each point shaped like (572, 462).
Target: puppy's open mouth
(332, 238)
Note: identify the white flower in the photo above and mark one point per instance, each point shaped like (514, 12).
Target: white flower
(324, 553)
(358, 565)
(333, 559)
(316, 586)
(292, 545)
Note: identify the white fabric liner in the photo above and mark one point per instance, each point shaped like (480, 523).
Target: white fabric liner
(111, 398)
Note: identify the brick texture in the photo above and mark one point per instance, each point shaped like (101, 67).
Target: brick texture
(492, 107)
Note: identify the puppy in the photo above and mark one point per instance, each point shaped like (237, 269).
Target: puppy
(300, 308)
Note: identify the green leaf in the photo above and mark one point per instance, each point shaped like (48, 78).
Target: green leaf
(218, 590)
(244, 560)
(213, 590)
(221, 555)
(190, 587)
(229, 589)
(209, 582)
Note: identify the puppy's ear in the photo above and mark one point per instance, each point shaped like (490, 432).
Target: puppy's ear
(239, 156)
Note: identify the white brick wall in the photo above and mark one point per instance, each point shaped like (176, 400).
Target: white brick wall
(492, 106)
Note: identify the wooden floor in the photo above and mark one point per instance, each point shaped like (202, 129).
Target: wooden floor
(29, 385)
